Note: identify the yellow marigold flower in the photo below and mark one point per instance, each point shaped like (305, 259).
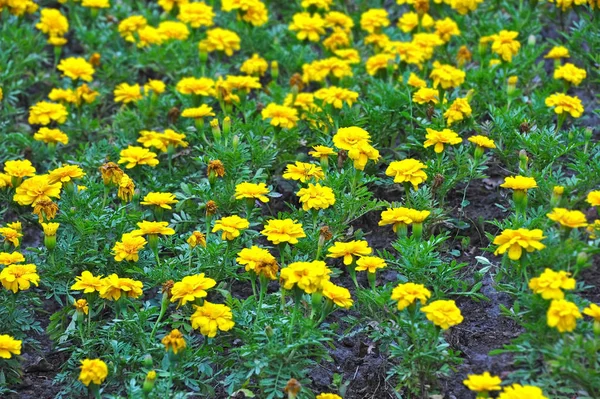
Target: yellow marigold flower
(76, 68)
(563, 103)
(231, 226)
(505, 45)
(9, 346)
(348, 55)
(316, 197)
(126, 188)
(149, 35)
(81, 306)
(303, 172)
(593, 198)
(593, 311)
(95, 3)
(113, 287)
(410, 20)
(516, 391)
(36, 189)
(558, 52)
(446, 28)
(570, 73)
(173, 30)
(211, 317)
(307, 276)
(321, 151)
(348, 137)
(218, 39)
(92, 370)
(198, 113)
(563, 315)
(318, 70)
(458, 110)
(338, 295)
(409, 52)
(84, 93)
(163, 200)
(171, 138)
(196, 14)
(338, 19)
(155, 86)
(370, 264)
(131, 25)
(65, 174)
(426, 95)
(134, 156)
(51, 136)
(5, 180)
(19, 277)
(197, 238)
(464, 6)
(408, 170)
(19, 168)
(251, 190)
(514, 241)
(408, 293)
(402, 216)
(15, 226)
(550, 284)
(328, 396)
(336, 96)
(415, 81)
(259, 261)
(439, 138)
(523, 183)
(50, 228)
(567, 218)
(286, 230)
(168, 5)
(280, 115)
(337, 39)
(256, 14)
(446, 75)
(87, 282)
(53, 23)
(361, 153)
(174, 341)
(44, 112)
(126, 93)
(443, 313)
(495, 62)
(427, 42)
(10, 258)
(349, 249)
(128, 247)
(319, 4)
(243, 83)
(153, 228)
(57, 41)
(256, 65)
(482, 141)
(483, 382)
(307, 26)
(191, 288)
(380, 61)
(566, 4)
(374, 20)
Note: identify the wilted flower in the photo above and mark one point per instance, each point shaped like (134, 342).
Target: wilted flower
(174, 341)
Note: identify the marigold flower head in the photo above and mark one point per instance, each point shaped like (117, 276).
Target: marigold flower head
(338, 295)
(328, 396)
(593, 311)
(50, 229)
(370, 264)
(515, 241)
(95, 3)
(190, 288)
(339, 38)
(315, 196)
(523, 183)
(81, 306)
(426, 95)
(361, 153)
(44, 112)
(76, 68)
(197, 86)
(88, 283)
(168, 5)
(158, 199)
(10, 235)
(443, 313)
(53, 23)
(196, 238)
(415, 81)
(65, 174)
(51, 136)
(464, 6)
(259, 261)
(439, 138)
(36, 189)
(348, 55)
(303, 171)
(111, 173)
(19, 277)
(174, 341)
(337, 96)
(408, 170)
(410, 20)
(482, 141)
(280, 231)
(458, 110)
(216, 167)
(63, 95)
(307, 26)
(253, 191)
(255, 65)
(11, 258)
(566, 4)
(374, 20)
(126, 93)
(446, 28)
(153, 228)
(280, 115)
(567, 218)
(483, 382)
(113, 287)
(321, 151)
(307, 276)
(349, 249)
(9, 346)
(550, 284)
(211, 317)
(198, 113)
(446, 76)
(19, 168)
(219, 39)
(516, 391)
(338, 19)
(563, 315)
(558, 52)
(408, 293)
(196, 14)
(155, 86)
(131, 25)
(348, 137)
(230, 226)
(505, 45)
(381, 61)
(593, 198)
(93, 370)
(563, 103)
(128, 247)
(570, 73)
(134, 156)
(173, 30)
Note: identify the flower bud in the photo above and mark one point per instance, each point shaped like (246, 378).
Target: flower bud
(147, 360)
(511, 84)
(582, 259)
(531, 40)
(275, 70)
(203, 55)
(523, 160)
(149, 382)
(596, 327)
(95, 59)
(557, 193)
(215, 129)
(235, 142)
(226, 126)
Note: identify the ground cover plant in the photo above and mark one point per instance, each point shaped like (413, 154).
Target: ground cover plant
(308, 199)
